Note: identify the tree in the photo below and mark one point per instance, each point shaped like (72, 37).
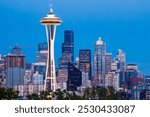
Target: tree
(112, 95)
(46, 95)
(33, 96)
(94, 95)
(74, 96)
(60, 95)
(8, 94)
(102, 93)
(86, 94)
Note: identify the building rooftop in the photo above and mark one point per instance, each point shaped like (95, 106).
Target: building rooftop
(39, 64)
(16, 51)
(99, 41)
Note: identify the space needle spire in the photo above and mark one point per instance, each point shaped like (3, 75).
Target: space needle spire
(50, 22)
(51, 9)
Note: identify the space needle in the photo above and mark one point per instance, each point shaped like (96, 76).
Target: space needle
(50, 22)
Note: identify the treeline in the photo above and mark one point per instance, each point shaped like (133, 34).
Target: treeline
(94, 93)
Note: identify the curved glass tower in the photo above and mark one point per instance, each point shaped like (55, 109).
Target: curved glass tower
(99, 62)
(50, 22)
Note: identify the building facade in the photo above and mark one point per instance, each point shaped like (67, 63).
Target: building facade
(15, 67)
(108, 62)
(74, 78)
(85, 62)
(120, 60)
(99, 62)
(68, 45)
(41, 55)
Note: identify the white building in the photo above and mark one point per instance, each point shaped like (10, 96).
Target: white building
(99, 62)
(85, 80)
(112, 79)
(62, 78)
(38, 79)
(26, 89)
(62, 85)
(28, 76)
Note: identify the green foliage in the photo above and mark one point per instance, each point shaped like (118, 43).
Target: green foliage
(46, 95)
(8, 94)
(33, 96)
(60, 95)
(94, 93)
(100, 93)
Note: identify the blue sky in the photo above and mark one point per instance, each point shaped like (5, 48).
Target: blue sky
(123, 24)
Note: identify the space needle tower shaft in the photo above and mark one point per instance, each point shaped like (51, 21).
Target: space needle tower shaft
(50, 22)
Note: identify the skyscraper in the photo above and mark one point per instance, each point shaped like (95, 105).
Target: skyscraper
(121, 59)
(64, 60)
(99, 62)
(50, 22)
(108, 62)
(74, 78)
(131, 72)
(2, 65)
(39, 67)
(41, 55)
(68, 45)
(2, 69)
(147, 82)
(85, 62)
(15, 67)
(120, 63)
(42, 46)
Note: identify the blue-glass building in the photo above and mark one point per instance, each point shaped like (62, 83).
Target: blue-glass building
(68, 45)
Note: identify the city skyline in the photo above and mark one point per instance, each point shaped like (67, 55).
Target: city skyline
(128, 25)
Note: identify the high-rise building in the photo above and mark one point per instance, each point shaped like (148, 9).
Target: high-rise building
(38, 79)
(112, 79)
(42, 46)
(62, 75)
(15, 67)
(85, 62)
(64, 60)
(74, 78)
(136, 86)
(40, 68)
(2, 70)
(41, 55)
(132, 67)
(77, 62)
(121, 58)
(147, 82)
(62, 78)
(28, 65)
(99, 62)
(108, 62)
(68, 45)
(131, 72)
(120, 61)
(2, 65)
(50, 22)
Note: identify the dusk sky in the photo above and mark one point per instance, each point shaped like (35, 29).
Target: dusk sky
(122, 24)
